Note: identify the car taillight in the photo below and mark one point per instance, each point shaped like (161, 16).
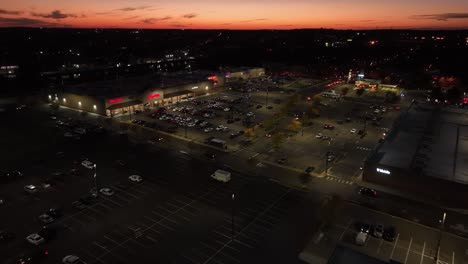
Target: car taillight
(46, 253)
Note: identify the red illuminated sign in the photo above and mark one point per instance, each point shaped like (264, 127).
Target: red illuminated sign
(115, 100)
(152, 96)
(213, 78)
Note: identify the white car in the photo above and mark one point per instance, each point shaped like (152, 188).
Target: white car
(71, 259)
(208, 129)
(106, 191)
(35, 239)
(319, 136)
(30, 188)
(353, 131)
(46, 219)
(249, 114)
(68, 134)
(135, 178)
(378, 230)
(219, 128)
(226, 109)
(87, 164)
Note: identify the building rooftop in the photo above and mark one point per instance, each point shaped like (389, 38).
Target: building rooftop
(431, 139)
(136, 85)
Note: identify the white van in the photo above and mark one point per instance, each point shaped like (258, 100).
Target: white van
(361, 238)
(221, 175)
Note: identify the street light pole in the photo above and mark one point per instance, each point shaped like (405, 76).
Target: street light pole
(185, 124)
(302, 125)
(442, 223)
(95, 179)
(232, 217)
(266, 103)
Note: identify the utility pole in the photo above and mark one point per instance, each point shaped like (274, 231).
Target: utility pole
(326, 163)
(267, 92)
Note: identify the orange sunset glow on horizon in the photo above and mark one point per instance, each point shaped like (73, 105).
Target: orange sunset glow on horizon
(239, 14)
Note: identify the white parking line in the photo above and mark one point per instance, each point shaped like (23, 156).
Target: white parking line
(422, 253)
(380, 244)
(110, 239)
(114, 202)
(346, 229)
(100, 246)
(394, 245)
(409, 247)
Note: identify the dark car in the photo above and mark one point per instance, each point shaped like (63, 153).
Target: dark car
(270, 107)
(55, 212)
(282, 161)
(389, 233)
(210, 156)
(259, 106)
(368, 192)
(6, 236)
(362, 226)
(309, 169)
(48, 232)
(78, 205)
(37, 255)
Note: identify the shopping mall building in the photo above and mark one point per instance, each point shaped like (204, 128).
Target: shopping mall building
(126, 95)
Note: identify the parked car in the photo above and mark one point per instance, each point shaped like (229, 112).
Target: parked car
(389, 233)
(368, 192)
(309, 169)
(361, 238)
(31, 189)
(87, 164)
(72, 259)
(36, 255)
(135, 178)
(46, 219)
(35, 239)
(353, 130)
(55, 212)
(106, 191)
(319, 136)
(281, 160)
(6, 236)
(378, 230)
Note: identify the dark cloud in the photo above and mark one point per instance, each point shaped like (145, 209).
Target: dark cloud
(253, 20)
(189, 16)
(155, 19)
(134, 8)
(24, 22)
(130, 18)
(442, 16)
(177, 25)
(56, 14)
(9, 12)
(105, 13)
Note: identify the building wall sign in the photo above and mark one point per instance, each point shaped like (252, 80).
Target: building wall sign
(115, 100)
(384, 171)
(153, 96)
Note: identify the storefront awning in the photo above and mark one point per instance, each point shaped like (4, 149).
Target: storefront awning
(174, 94)
(122, 105)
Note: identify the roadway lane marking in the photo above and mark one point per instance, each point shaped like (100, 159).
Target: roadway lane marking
(409, 247)
(394, 245)
(422, 254)
(346, 229)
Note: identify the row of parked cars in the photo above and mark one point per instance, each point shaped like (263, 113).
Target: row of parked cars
(378, 231)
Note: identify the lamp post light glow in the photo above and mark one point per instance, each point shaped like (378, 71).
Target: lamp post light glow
(64, 100)
(94, 107)
(79, 104)
(50, 97)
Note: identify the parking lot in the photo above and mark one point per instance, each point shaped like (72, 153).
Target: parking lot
(176, 211)
(345, 130)
(413, 243)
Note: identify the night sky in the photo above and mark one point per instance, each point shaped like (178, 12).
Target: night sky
(236, 14)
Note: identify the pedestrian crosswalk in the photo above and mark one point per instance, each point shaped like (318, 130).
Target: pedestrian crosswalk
(339, 180)
(363, 148)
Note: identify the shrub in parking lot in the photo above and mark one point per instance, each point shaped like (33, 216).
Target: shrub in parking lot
(277, 140)
(294, 126)
(250, 132)
(344, 91)
(359, 92)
